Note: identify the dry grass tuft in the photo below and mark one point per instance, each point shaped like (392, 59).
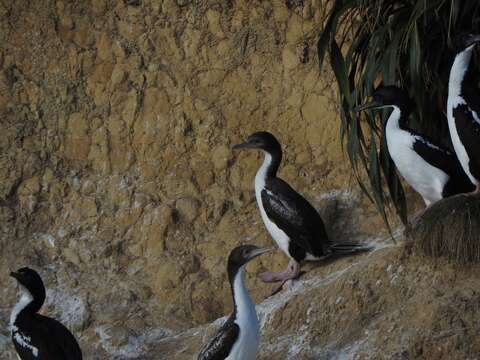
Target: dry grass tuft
(450, 228)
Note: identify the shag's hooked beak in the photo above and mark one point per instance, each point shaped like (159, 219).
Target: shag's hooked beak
(260, 251)
(244, 145)
(367, 106)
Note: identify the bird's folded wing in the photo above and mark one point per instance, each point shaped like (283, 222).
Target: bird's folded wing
(220, 346)
(293, 214)
(467, 124)
(60, 338)
(435, 155)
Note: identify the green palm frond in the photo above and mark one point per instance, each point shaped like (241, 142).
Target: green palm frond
(403, 42)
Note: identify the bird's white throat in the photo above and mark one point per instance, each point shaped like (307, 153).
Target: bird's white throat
(262, 172)
(25, 299)
(393, 122)
(246, 346)
(245, 306)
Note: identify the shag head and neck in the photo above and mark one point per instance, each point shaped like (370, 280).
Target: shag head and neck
(461, 74)
(239, 257)
(391, 97)
(33, 294)
(266, 142)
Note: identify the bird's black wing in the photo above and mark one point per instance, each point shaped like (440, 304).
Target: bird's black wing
(220, 346)
(467, 123)
(29, 345)
(446, 160)
(295, 216)
(471, 95)
(60, 340)
(435, 155)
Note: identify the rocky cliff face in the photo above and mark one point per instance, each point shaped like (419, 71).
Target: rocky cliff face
(118, 184)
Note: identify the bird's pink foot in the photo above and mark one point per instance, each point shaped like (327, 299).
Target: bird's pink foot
(291, 272)
(269, 277)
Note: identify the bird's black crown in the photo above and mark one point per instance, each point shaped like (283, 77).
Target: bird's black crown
(465, 39)
(262, 140)
(391, 95)
(30, 279)
(240, 256)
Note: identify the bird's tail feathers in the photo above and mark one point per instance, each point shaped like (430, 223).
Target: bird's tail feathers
(350, 248)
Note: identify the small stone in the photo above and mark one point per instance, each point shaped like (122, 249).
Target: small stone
(104, 48)
(99, 6)
(188, 208)
(88, 207)
(290, 59)
(118, 75)
(88, 187)
(214, 25)
(169, 275)
(71, 256)
(220, 157)
(307, 11)
(30, 186)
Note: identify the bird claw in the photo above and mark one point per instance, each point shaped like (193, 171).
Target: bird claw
(277, 289)
(280, 286)
(270, 277)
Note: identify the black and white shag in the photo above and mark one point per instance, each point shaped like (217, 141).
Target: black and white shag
(463, 109)
(238, 338)
(291, 220)
(431, 169)
(37, 337)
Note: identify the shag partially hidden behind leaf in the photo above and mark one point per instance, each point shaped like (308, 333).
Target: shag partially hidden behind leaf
(402, 42)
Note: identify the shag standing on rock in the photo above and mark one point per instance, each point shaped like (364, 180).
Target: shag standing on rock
(463, 109)
(38, 337)
(432, 170)
(238, 338)
(292, 221)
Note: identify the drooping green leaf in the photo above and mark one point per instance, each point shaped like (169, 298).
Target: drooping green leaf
(339, 68)
(339, 8)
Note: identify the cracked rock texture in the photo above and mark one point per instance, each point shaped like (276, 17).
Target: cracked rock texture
(117, 182)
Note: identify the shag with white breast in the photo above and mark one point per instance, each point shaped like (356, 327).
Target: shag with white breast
(239, 336)
(463, 108)
(37, 337)
(431, 169)
(291, 220)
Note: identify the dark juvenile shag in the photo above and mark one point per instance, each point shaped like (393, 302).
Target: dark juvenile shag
(431, 169)
(37, 337)
(238, 338)
(463, 108)
(291, 220)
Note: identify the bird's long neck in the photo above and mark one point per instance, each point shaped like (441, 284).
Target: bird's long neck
(270, 165)
(397, 119)
(243, 304)
(460, 72)
(26, 306)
